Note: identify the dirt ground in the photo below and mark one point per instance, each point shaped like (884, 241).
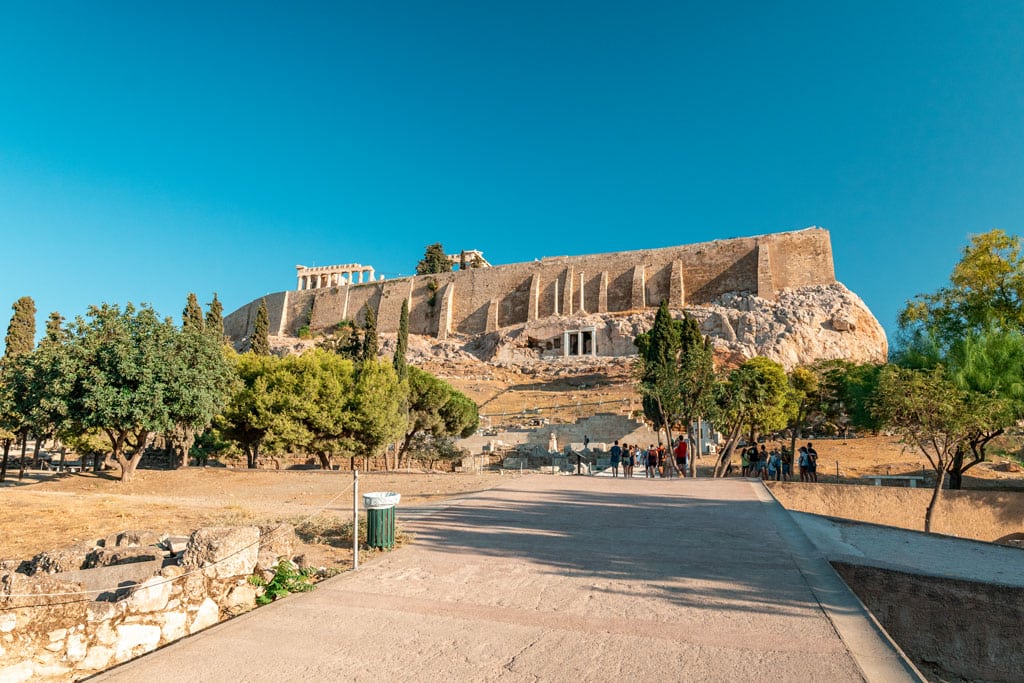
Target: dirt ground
(47, 510)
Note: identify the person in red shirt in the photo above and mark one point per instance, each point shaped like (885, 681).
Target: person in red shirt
(680, 452)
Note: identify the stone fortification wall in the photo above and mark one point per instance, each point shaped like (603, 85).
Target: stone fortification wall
(476, 301)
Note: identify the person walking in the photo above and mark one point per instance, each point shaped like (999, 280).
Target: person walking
(680, 453)
(616, 454)
(802, 463)
(651, 458)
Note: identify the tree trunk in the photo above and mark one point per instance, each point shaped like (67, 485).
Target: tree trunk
(3, 464)
(252, 454)
(726, 455)
(35, 453)
(936, 494)
(130, 463)
(325, 460)
(956, 470)
(24, 448)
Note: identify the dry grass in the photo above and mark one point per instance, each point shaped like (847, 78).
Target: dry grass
(47, 511)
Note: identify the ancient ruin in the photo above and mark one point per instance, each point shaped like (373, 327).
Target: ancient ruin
(773, 295)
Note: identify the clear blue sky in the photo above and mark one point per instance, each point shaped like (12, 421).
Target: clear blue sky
(152, 149)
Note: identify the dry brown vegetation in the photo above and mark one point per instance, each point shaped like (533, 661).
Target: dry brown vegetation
(47, 510)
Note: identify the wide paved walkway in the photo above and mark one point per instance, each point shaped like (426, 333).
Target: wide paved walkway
(565, 579)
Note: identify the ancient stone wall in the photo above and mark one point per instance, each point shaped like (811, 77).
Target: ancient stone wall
(63, 624)
(475, 301)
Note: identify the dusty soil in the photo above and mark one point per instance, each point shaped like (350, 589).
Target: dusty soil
(48, 511)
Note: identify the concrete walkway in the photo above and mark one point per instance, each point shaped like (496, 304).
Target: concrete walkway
(565, 578)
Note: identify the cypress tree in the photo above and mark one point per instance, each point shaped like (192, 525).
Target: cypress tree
(55, 327)
(215, 317)
(260, 343)
(402, 346)
(192, 316)
(370, 348)
(21, 333)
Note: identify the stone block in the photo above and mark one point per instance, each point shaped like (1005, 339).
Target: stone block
(97, 657)
(173, 625)
(207, 615)
(59, 560)
(151, 595)
(22, 671)
(135, 639)
(223, 552)
(276, 541)
(131, 538)
(75, 648)
(241, 599)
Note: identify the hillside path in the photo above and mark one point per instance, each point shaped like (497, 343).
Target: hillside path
(564, 578)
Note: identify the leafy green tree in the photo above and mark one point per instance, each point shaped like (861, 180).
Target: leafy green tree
(204, 358)
(402, 345)
(378, 408)
(986, 289)
(192, 316)
(21, 332)
(215, 317)
(133, 376)
(260, 342)
(930, 412)
(260, 413)
(805, 386)
(675, 368)
(434, 261)
(324, 394)
(756, 398)
(436, 408)
(370, 345)
(988, 364)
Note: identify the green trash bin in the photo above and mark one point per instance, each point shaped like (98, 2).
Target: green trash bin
(380, 518)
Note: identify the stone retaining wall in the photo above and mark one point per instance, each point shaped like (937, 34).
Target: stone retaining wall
(954, 629)
(51, 629)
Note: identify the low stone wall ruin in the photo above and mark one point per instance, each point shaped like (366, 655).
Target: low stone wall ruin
(61, 622)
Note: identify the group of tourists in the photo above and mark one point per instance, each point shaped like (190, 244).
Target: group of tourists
(654, 459)
(777, 464)
(759, 462)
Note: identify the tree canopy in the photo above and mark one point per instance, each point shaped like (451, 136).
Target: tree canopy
(192, 316)
(215, 317)
(21, 332)
(130, 375)
(260, 342)
(434, 261)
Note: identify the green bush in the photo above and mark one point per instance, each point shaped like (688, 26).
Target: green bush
(287, 579)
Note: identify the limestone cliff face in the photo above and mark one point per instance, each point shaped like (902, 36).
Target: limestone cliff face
(802, 325)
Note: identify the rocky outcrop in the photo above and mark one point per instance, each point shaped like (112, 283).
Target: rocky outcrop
(799, 327)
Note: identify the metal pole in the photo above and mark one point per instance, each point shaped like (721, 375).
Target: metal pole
(837, 471)
(355, 520)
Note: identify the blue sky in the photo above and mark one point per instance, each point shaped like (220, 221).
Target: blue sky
(152, 149)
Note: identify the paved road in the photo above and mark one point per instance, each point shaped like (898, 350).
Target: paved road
(565, 578)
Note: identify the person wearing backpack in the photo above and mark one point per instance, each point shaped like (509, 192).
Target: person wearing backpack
(812, 463)
(616, 453)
